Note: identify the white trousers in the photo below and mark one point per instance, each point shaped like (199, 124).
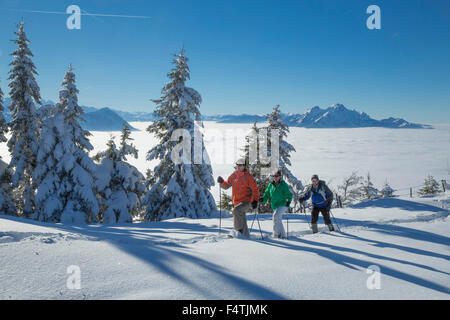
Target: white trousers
(278, 229)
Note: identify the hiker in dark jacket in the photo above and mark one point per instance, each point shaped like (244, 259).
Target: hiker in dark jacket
(321, 198)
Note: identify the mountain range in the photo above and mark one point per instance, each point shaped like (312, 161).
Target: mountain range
(335, 116)
(104, 119)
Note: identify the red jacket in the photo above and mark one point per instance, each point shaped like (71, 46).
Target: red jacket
(244, 187)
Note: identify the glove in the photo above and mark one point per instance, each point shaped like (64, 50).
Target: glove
(261, 199)
(220, 179)
(329, 205)
(254, 204)
(288, 203)
(301, 199)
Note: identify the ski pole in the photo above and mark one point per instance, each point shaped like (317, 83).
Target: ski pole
(255, 212)
(287, 227)
(306, 216)
(220, 208)
(335, 221)
(259, 226)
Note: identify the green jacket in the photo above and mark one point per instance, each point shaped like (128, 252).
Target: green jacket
(278, 195)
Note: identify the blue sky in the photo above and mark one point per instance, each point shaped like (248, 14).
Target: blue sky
(245, 55)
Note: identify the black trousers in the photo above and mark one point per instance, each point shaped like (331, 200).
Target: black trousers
(325, 214)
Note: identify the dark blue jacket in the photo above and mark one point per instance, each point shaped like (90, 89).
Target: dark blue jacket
(321, 196)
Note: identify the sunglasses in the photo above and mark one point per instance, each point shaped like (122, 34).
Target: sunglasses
(276, 176)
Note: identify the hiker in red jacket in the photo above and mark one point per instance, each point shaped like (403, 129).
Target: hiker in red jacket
(245, 195)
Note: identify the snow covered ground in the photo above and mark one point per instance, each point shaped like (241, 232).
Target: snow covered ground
(188, 259)
(408, 239)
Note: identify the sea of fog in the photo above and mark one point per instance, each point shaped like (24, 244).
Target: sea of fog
(403, 157)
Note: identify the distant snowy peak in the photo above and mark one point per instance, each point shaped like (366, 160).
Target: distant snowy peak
(338, 116)
(335, 116)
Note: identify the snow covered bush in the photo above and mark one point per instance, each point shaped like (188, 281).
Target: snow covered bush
(65, 175)
(122, 185)
(387, 191)
(349, 189)
(25, 123)
(367, 190)
(179, 189)
(431, 186)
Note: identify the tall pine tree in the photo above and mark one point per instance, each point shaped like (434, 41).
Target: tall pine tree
(65, 174)
(276, 124)
(255, 164)
(122, 194)
(23, 144)
(179, 189)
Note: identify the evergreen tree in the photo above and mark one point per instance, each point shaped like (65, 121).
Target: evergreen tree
(3, 124)
(227, 202)
(65, 174)
(255, 164)
(387, 191)
(276, 123)
(25, 123)
(431, 186)
(179, 189)
(121, 196)
(6, 196)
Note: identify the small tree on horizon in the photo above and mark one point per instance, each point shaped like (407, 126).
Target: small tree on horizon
(367, 190)
(349, 190)
(431, 186)
(387, 191)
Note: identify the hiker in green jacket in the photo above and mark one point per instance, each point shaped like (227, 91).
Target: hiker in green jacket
(280, 198)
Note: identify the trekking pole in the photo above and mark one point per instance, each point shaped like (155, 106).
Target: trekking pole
(287, 227)
(306, 216)
(255, 212)
(259, 226)
(220, 208)
(335, 221)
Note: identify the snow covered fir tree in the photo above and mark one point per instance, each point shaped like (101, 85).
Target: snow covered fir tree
(276, 124)
(387, 191)
(123, 185)
(25, 123)
(65, 175)
(255, 164)
(179, 188)
(6, 199)
(431, 186)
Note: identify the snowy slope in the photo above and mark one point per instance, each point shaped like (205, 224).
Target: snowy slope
(188, 259)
